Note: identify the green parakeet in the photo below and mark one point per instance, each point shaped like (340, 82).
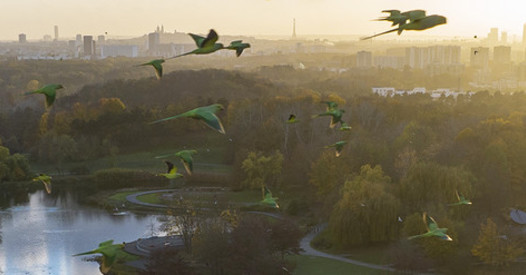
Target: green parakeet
(50, 91)
(419, 24)
(171, 173)
(205, 45)
(268, 200)
(157, 65)
(46, 180)
(238, 46)
(186, 159)
(109, 253)
(338, 146)
(335, 114)
(461, 200)
(205, 114)
(292, 119)
(432, 230)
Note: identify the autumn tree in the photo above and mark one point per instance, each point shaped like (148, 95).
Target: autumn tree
(13, 166)
(328, 173)
(493, 248)
(261, 170)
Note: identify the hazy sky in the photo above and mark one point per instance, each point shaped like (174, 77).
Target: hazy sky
(248, 17)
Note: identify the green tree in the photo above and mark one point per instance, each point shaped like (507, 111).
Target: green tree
(57, 148)
(429, 185)
(492, 249)
(328, 173)
(261, 170)
(365, 199)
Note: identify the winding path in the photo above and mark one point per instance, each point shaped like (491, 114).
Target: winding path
(310, 251)
(133, 198)
(304, 243)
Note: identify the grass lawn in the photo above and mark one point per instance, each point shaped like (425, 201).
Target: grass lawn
(207, 159)
(374, 254)
(151, 198)
(377, 254)
(121, 196)
(309, 265)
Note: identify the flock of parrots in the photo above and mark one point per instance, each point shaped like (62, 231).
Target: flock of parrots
(409, 20)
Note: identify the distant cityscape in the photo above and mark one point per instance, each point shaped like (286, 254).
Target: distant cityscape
(483, 57)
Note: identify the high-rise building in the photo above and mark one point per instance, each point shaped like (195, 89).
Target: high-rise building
(119, 50)
(415, 57)
(294, 28)
(502, 55)
(524, 34)
(504, 37)
(88, 45)
(443, 55)
(479, 57)
(153, 41)
(78, 39)
(56, 32)
(22, 38)
(101, 39)
(364, 59)
(493, 36)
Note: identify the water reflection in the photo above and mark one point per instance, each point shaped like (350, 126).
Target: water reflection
(40, 235)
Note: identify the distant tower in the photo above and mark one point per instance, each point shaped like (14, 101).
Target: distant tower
(294, 28)
(153, 43)
(493, 36)
(22, 38)
(78, 39)
(56, 32)
(101, 39)
(504, 37)
(88, 45)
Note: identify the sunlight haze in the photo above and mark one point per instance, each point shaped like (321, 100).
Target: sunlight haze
(36, 18)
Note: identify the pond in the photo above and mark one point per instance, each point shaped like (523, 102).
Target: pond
(40, 235)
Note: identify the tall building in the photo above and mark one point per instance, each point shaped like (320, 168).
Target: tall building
(101, 39)
(389, 61)
(493, 36)
(364, 59)
(119, 50)
(56, 32)
(443, 55)
(88, 45)
(479, 57)
(78, 39)
(504, 37)
(154, 40)
(524, 34)
(22, 38)
(294, 28)
(502, 55)
(415, 57)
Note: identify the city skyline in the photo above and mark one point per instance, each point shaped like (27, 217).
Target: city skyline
(254, 17)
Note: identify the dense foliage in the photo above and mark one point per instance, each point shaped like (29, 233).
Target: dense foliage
(405, 154)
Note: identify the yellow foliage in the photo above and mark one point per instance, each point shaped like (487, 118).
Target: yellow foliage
(492, 249)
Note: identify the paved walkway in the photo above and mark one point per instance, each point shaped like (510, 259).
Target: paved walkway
(133, 198)
(304, 244)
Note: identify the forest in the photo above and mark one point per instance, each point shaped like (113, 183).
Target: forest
(404, 156)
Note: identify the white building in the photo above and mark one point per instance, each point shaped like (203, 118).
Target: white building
(119, 50)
